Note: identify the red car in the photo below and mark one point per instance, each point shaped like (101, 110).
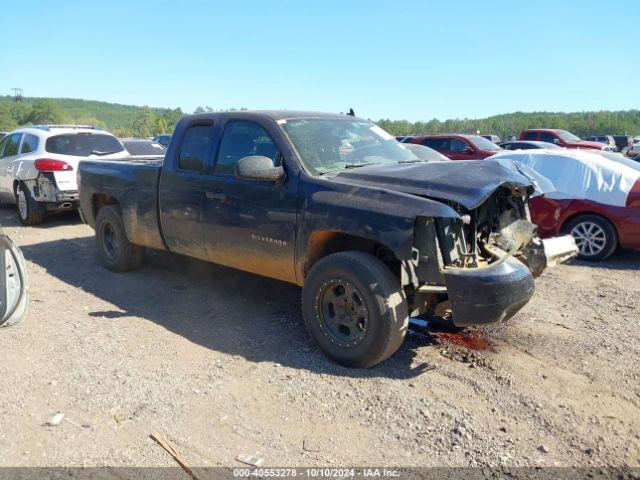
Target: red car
(595, 199)
(459, 147)
(561, 138)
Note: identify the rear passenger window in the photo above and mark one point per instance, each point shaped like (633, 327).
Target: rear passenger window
(29, 143)
(242, 139)
(11, 148)
(195, 148)
(3, 144)
(439, 144)
(531, 135)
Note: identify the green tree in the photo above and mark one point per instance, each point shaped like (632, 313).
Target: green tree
(144, 124)
(160, 126)
(47, 111)
(89, 120)
(7, 122)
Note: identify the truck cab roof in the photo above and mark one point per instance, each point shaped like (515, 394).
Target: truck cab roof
(272, 114)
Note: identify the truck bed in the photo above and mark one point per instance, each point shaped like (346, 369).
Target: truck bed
(133, 185)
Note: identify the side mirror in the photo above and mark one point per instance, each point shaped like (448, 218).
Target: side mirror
(469, 150)
(556, 141)
(257, 167)
(13, 283)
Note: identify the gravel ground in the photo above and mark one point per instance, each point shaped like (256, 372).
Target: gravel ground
(218, 362)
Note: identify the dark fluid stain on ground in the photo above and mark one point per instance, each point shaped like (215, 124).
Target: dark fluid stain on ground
(469, 340)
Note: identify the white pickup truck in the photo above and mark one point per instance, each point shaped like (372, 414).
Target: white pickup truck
(38, 166)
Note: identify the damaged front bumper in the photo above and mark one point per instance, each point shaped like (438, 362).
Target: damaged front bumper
(489, 294)
(498, 291)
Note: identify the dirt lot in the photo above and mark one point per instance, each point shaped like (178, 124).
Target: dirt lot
(217, 360)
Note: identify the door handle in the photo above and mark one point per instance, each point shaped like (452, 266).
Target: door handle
(217, 195)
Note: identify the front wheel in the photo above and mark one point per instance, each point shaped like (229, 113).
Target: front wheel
(354, 308)
(30, 212)
(117, 253)
(595, 237)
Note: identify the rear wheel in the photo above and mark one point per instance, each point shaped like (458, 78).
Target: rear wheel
(595, 237)
(117, 253)
(29, 211)
(355, 309)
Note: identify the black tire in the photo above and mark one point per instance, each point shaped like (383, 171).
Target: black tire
(29, 211)
(604, 238)
(115, 250)
(378, 333)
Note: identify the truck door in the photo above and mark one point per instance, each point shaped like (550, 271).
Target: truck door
(180, 192)
(247, 224)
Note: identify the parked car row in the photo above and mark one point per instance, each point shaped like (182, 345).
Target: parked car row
(478, 147)
(560, 138)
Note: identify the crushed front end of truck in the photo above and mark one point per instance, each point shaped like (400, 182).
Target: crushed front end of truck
(480, 267)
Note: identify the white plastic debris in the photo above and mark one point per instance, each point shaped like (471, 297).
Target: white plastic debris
(56, 419)
(250, 460)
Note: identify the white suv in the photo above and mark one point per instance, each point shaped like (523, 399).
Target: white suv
(38, 166)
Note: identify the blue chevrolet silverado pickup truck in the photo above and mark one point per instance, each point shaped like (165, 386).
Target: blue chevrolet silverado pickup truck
(334, 204)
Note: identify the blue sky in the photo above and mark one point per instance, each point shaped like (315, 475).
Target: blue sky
(411, 59)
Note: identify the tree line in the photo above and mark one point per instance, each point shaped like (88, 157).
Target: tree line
(129, 120)
(122, 120)
(580, 123)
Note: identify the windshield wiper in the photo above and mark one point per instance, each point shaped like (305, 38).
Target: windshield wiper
(356, 165)
(100, 152)
(412, 161)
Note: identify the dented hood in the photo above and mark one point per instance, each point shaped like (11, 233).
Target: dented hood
(468, 183)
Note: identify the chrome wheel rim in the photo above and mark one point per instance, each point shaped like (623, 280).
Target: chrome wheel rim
(590, 238)
(22, 203)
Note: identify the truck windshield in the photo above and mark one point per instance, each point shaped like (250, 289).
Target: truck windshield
(484, 144)
(330, 145)
(567, 136)
(83, 144)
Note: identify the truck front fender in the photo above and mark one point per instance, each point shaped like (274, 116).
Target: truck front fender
(384, 217)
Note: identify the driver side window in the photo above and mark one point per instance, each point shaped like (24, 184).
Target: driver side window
(458, 145)
(241, 139)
